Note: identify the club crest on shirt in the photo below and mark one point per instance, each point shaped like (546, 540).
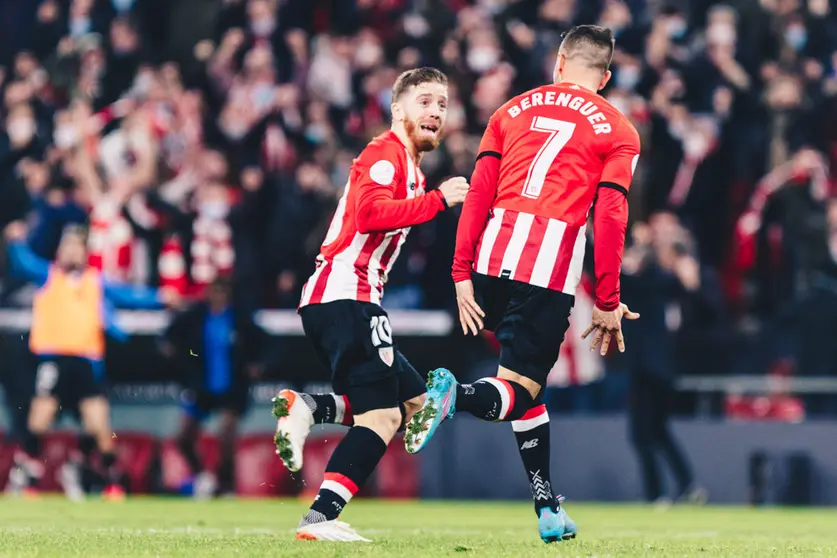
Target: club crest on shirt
(387, 355)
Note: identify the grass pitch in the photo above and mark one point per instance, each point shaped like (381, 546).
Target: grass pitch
(174, 527)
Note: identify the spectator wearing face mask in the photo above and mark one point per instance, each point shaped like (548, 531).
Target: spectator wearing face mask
(20, 139)
(204, 247)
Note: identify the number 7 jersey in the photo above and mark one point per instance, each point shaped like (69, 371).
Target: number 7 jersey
(556, 145)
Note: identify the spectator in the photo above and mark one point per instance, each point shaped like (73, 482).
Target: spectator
(235, 132)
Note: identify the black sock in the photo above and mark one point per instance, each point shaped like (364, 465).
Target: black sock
(350, 465)
(493, 399)
(532, 433)
(109, 464)
(32, 445)
(29, 460)
(86, 445)
(329, 408)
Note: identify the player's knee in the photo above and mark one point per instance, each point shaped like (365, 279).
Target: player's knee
(412, 406)
(95, 415)
(533, 387)
(41, 413)
(384, 422)
(38, 427)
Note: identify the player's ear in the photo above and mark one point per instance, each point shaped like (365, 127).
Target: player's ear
(559, 68)
(397, 111)
(605, 79)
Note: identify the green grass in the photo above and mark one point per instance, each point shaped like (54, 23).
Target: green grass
(172, 527)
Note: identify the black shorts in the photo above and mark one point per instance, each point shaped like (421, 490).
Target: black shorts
(528, 321)
(354, 341)
(69, 379)
(199, 404)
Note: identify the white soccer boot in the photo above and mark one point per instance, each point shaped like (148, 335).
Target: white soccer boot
(204, 485)
(334, 530)
(294, 422)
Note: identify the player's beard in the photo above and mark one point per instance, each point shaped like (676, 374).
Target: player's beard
(422, 144)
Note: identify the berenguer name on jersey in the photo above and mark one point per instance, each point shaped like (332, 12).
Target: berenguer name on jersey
(585, 107)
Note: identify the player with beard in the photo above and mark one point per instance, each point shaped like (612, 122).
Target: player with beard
(340, 306)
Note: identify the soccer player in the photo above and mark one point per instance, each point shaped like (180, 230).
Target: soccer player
(70, 314)
(340, 306)
(547, 157)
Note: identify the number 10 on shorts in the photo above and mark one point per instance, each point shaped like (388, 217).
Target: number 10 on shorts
(382, 335)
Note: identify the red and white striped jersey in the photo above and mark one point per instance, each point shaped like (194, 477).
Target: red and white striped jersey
(543, 160)
(384, 197)
(111, 241)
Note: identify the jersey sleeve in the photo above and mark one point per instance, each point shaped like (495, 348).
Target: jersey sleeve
(610, 218)
(621, 160)
(27, 264)
(379, 174)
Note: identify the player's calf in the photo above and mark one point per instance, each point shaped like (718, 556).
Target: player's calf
(42, 411)
(494, 399)
(351, 464)
(532, 434)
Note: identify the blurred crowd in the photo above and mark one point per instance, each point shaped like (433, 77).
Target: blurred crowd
(197, 138)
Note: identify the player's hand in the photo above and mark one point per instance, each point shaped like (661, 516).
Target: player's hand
(454, 190)
(15, 231)
(470, 313)
(608, 324)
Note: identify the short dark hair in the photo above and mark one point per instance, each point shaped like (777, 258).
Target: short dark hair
(590, 44)
(415, 77)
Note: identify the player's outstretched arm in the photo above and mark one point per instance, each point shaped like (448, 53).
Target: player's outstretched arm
(24, 262)
(137, 296)
(379, 211)
(610, 223)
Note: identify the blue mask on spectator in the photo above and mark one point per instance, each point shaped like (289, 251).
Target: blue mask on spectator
(627, 77)
(316, 133)
(214, 210)
(676, 28)
(79, 26)
(122, 6)
(796, 37)
(263, 27)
